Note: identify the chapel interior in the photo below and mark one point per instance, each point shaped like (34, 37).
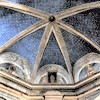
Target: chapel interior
(49, 49)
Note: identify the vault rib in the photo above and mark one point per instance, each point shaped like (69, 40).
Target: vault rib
(44, 41)
(24, 9)
(77, 9)
(62, 46)
(24, 33)
(70, 29)
(40, 14)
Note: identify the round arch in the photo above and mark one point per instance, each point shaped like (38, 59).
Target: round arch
(52, 67)
(15, 59)
(82, 62)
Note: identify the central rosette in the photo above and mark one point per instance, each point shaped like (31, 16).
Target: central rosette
(52, 18)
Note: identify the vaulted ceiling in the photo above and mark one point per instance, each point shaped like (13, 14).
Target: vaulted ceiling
(41, 36)
(50, 32)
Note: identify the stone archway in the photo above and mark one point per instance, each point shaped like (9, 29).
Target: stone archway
(84, 61)
(18, 61)
(61, 73)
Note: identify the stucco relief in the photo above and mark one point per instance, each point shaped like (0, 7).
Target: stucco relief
(86, 62)
(16, 61)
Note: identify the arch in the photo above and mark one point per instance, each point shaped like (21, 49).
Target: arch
(52, 67)
(15, 59)
(82, 62)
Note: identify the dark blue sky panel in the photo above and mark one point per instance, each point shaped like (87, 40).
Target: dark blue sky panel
(12, 22)
(28, 47)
